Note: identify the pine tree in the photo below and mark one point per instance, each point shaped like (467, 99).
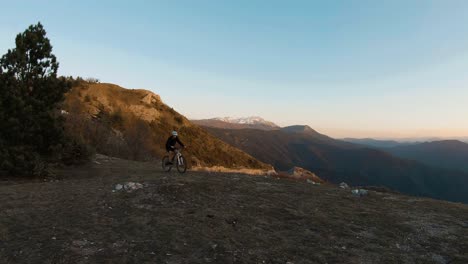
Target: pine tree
(31, 129)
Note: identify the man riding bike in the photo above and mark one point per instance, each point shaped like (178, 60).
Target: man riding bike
(170, 145)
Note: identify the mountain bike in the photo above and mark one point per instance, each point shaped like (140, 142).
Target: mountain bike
(179, 161)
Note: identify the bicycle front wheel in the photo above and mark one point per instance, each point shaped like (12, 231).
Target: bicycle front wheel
(166, 165)
(181, 165)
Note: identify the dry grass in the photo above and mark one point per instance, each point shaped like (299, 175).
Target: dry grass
(220, 169)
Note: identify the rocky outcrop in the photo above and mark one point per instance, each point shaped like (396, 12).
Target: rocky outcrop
(301, 173)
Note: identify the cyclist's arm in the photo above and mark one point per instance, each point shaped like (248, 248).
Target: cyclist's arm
(180, 142)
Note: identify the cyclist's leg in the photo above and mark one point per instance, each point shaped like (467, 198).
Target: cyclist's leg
(169, 153)
(172, 155)
(169, 161)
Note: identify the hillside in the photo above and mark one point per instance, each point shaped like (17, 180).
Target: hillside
(218, 218)
(449, 154)
(135, 124)
(237, 123)
(338, 161)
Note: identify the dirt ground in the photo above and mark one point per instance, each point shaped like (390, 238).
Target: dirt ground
(204, 217)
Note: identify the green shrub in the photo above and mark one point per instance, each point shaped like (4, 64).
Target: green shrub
(116, 117)
(178, 119)
(76, 151)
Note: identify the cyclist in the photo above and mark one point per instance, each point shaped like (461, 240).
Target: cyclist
(170, 145)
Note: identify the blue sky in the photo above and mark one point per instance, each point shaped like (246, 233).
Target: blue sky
(347, 68)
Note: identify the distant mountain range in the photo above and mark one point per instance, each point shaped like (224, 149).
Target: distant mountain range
(337, 160)
(385, 143)
(448, 154)
(253, 122)
(378, 143)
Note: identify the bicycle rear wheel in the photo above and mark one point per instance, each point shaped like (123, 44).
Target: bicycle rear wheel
(166, 165)
(181, 165)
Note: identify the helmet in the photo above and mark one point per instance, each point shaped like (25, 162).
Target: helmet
(174, 133)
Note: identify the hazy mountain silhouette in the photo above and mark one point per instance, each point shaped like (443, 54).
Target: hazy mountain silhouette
(450, 154)
(377, 142)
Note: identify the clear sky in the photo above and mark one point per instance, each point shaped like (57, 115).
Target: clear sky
(388, 68)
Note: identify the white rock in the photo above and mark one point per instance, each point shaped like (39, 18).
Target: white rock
(128, 186)
(359, 192)
(363, 192)
(312, 182)
(272, 173)
(343, 185)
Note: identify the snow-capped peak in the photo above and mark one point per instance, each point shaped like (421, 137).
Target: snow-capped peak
(251, 120)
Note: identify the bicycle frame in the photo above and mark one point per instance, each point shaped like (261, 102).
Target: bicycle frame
(177, 156)
(177, 159)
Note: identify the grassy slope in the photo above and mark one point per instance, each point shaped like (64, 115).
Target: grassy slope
(218, 218)
(144, 105)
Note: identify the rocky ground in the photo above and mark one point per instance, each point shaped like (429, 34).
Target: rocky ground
(202, 217)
